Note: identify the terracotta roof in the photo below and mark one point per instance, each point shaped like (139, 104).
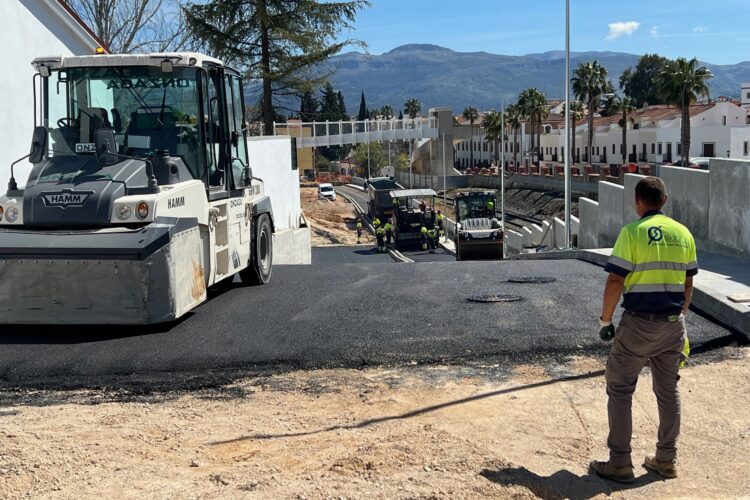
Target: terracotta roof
(85, 26)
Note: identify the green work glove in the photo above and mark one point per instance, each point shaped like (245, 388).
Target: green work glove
(606, 330)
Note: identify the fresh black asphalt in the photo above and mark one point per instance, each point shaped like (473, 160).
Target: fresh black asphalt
(340, 314)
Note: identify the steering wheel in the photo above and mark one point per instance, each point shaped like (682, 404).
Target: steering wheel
(65, 121)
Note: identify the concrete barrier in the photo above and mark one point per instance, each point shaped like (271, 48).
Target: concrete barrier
(628, 205)
(559, 233)
(689, 199)
(537, 233)
(527, 237)
(729, 211)
(610, 212)
(292, 246)
(588, 233)
(548, 235)
(514, 242)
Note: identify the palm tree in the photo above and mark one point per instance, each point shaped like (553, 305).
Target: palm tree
(386, 112)
(412, 107)
(624, 106)
(471, 114)
(681, 83)
(513, 118)
(575, 113)
(533, 104)
(491, 123)
(589, 83)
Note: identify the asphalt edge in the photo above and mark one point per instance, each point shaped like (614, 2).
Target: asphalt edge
(705, 302)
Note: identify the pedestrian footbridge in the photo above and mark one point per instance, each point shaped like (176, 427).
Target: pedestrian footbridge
(339, 133)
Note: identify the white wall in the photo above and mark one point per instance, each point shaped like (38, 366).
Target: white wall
(271, 160)
(30, 29)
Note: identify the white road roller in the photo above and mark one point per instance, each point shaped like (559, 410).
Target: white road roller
(140, 197)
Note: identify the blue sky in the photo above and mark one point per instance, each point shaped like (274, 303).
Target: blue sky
(715, 31)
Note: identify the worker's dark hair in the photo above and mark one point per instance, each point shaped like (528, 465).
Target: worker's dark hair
(651, 191)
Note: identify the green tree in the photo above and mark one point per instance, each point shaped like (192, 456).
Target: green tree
(330, 104)
(575, 114)
(513, 118)
(640, 83)
(624, 106)
(412, 107)
(491, 123)
(341, 108)
(363, 113)
(308, 108)
(386, 112)
(680, 84)
(400, 115)
(378, 159)
(402, 161)
(589, 84)
(470, 113)
(533, 104)
(279, 42)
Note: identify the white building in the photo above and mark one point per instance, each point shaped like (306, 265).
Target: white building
(717, 129)
(31, 28)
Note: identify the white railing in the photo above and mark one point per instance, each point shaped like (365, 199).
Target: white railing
(310, 134)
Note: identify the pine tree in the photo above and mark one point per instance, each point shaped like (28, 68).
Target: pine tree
(363, 114)
(280, 42)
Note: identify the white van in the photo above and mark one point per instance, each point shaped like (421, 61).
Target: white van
(325, 190)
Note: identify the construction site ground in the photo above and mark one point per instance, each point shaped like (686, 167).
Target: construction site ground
(332, 222)
(411, 432)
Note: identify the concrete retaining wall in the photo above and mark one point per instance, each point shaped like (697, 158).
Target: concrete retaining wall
(514, 241)
(271, 159)
(544, 183)
(729, 211)
(292, 246)
(588, 233)
(610, 213)
(432, 181)
(689, 199)
(628, 203)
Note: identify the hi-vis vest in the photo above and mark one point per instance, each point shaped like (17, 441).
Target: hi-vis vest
(655, 255)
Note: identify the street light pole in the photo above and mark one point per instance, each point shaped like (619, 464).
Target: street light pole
(568, 239)
(502, 172)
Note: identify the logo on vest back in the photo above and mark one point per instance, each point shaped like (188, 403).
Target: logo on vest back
(655, 234)
(65, 198)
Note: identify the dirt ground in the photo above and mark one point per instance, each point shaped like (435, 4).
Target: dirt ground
(413, 432)
(332, 222)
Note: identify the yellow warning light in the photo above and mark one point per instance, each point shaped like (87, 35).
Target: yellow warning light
(100, 50)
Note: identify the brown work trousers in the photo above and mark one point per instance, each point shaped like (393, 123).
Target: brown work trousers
(638, 340)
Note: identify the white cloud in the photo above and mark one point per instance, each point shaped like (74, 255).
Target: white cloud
(700, 29)
(655, 32)
(620, 28)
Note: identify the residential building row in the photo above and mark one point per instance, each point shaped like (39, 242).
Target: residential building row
(717, 129)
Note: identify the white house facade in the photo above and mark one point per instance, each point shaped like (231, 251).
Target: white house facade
(31, 28)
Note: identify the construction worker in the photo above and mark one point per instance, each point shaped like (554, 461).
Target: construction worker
(440, 218)
(380, 236)
(491, 207)
(388, 232)
(376, 223)
(360, 227)
(432, 239)
(653, 262)
(423, 233)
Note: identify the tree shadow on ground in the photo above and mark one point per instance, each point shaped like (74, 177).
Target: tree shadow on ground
(563, 483)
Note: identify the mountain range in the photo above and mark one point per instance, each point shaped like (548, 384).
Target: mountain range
(439, 76)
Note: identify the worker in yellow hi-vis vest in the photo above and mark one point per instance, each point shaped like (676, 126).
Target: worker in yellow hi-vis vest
(652, 266)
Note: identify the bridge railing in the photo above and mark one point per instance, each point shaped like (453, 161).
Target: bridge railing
(356, 131)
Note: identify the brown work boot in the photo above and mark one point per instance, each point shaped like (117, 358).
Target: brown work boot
(609, 471)
(665, 468)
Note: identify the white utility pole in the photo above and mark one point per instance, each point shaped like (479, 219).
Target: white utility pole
(568, 239)
(502, 172)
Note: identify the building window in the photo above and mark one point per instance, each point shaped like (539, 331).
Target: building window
(724, 120)
(679, 148)
(660, 148)
(613, 149)
(745, 148)
(653, 148)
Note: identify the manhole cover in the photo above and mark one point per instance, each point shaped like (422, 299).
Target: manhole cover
(494, 297)
(532, 279)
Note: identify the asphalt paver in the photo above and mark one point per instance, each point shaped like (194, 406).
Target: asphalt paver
(344, 315)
